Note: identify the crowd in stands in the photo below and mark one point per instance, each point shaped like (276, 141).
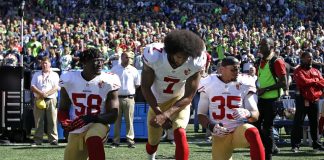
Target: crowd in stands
(61, 29)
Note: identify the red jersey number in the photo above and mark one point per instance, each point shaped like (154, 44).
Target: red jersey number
(90, 106)
(171, 82)
(224, 103)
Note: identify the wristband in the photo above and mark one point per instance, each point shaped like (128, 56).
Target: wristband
(250, 115)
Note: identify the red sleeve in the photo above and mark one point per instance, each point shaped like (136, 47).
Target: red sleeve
(320, 82)
(208, 57)
(280, 67)
(302, 80)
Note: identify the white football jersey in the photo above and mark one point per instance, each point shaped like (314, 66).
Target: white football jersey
(88, 96)
(222, 98)
(169, 82)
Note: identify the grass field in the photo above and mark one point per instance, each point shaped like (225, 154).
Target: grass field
(199, 150)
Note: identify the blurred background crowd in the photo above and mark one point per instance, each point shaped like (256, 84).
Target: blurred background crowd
(61, 29)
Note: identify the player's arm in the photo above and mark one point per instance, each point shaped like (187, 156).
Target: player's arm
(250, 103)
(202, 110)
(112, 106)
(64, 109)
(147, 79)
(191, 87)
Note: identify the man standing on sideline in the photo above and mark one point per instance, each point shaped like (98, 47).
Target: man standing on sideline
(269, 91)
(170, 79)
(310, 83)
(44, 85)
(229, 104)
(93, 96)
(130, 80)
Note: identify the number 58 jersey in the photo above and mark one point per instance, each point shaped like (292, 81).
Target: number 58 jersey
(88, 97)
(169, 82)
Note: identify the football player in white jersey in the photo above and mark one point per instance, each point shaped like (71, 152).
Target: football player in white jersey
(93, 96)
(170, 78)
(230, 104)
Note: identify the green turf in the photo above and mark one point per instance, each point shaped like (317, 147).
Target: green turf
(199, 150)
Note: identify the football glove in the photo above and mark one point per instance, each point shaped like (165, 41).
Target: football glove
(63, 117)
(241, 113)
(75, 124)
(220, 131)
(81, 121)
(66, 124)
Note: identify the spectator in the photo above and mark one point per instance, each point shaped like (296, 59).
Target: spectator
(66, 59)
(269, 90)
(252, 73)
(130, 80)
(29, 60)
(44, 85)
(309, 82)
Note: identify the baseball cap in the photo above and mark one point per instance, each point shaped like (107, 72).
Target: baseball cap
(40, 104)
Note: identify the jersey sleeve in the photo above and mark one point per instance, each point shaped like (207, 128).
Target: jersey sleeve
(203, 104)
(201, 61)
(280, 67)
(250, 102)
(113, 81)
(204, 83)
(151, 53)
(65, 80)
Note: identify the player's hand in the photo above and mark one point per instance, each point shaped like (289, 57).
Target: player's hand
(220, 131)
(167, 124)
(158, 120)
(76, 124)
(66, 124)
(241, 113)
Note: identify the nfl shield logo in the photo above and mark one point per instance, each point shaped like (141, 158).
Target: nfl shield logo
(100, 84)
(187, 71)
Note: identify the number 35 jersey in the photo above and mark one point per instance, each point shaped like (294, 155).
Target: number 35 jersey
(169, 82)
(88, 97)
(219, 98)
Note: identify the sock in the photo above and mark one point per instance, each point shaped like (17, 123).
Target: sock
(256, 146)
(182, 148)
(151, 149)
(95, 148)
(321, 125)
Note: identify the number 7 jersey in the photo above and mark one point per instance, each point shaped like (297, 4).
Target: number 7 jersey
(88, 97)
(169, 82)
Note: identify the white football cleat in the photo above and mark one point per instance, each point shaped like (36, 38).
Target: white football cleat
(151, 156)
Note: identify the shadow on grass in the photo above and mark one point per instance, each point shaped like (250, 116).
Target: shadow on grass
(301, 154)
(38, 147)
(164, 157)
